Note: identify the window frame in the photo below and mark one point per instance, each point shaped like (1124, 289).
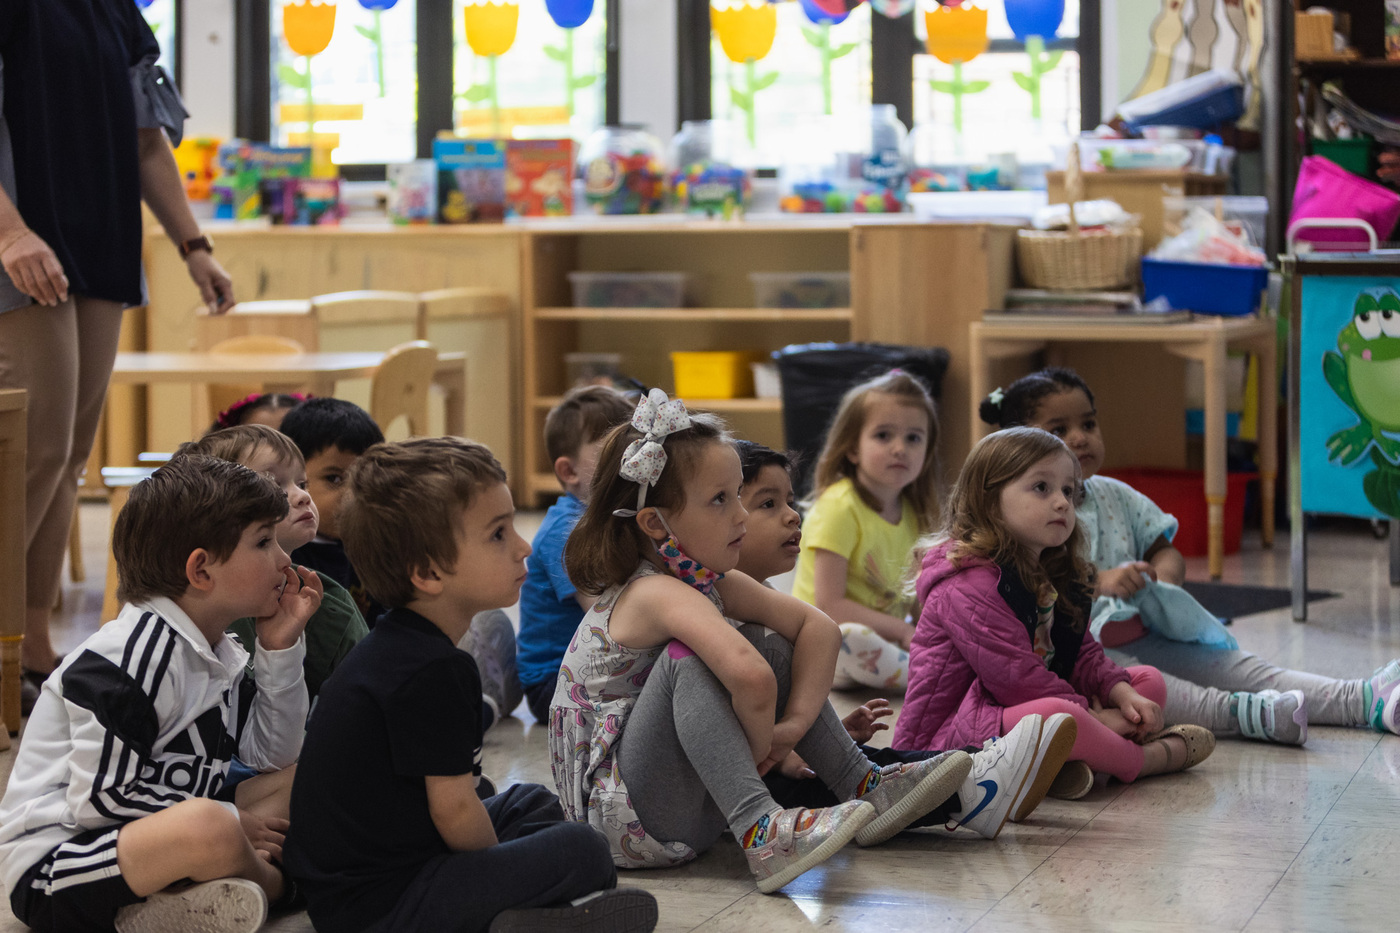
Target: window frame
(434, 23)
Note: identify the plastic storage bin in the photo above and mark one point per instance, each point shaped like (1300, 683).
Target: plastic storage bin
(714, 373)
(1203, 287)
(801, 289)
(591, 369)
(628, 289)
(766, 382)
(1249, 213)
(1182, 493)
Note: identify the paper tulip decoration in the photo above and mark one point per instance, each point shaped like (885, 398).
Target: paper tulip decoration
(308, 28)
(375, 34)
(1034, 21)
(144, 3)
(490, 33)
(569, 15)
(818, 35)
(746, 29)
(957, 35)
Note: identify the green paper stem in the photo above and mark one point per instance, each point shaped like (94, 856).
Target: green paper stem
(824, 49)
(957, 97)
(495, 97)
(749, 123)
(310, 111)
(379, 50)
(569, 70)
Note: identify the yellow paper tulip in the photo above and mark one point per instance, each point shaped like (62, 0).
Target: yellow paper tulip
(491, 26)
(956, 34)
(307, 26)
(745, 30)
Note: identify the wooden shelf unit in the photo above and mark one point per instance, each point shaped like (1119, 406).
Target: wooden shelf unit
(717, 258)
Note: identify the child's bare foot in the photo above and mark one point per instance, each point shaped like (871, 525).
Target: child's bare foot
(1176, 749)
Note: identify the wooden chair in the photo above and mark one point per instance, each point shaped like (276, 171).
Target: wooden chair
(292, 319)
(365, 321)
(400, 386)
(480, 322)
(218, 397)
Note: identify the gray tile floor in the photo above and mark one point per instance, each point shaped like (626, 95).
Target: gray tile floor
(1259, 838)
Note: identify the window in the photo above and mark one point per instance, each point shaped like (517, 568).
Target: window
(812, 72)
(997, 94)
(160, 14)
(517, 71)
(362, 88)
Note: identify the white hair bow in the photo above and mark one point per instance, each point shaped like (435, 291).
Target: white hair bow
(644, 459)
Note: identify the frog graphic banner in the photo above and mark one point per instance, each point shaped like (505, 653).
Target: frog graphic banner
(1349, 390)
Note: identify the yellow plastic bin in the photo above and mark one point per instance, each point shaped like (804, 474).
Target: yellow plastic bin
(714, 373)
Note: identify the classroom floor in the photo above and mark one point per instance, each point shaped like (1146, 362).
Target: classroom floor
(1258, 838)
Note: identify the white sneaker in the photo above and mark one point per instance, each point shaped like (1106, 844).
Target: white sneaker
(1057, 737)
(998, 775)
(1274, 716)
(1382, 698)
(227, 905)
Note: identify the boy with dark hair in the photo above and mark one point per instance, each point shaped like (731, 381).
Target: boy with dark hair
(331, 434)
(109, 802)
(390, 831)
(550, 606)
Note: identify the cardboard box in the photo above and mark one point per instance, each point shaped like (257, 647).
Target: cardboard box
(471, 180)
(539, 177)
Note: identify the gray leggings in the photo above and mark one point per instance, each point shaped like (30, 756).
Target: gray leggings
(1200, 680)
(685, 760)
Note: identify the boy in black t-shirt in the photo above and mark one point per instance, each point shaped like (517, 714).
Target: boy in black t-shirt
(389, 831)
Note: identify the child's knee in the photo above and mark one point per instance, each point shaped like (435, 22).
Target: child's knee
(1149, 682)
(591, 856)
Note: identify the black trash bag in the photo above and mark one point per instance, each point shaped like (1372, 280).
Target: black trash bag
(815, 375)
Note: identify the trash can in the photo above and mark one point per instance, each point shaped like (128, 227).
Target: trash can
(814, 376)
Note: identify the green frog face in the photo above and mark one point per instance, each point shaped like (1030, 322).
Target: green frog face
(1370, 347)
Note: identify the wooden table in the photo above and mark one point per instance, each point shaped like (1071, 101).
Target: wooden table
(316, 373)
(13, 445)
(1206, 339)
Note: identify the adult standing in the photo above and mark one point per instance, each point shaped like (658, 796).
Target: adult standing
(81, 144)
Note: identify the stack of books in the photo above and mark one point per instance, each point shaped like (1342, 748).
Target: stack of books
(1040, 304)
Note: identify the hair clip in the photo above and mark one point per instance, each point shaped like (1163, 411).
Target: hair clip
(995, 396)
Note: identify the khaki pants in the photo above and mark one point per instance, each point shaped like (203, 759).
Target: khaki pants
(63, 357)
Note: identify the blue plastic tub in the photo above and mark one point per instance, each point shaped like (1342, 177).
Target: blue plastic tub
(1205, 288)
(1223, 105)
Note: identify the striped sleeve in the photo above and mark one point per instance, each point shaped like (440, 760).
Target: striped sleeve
(114, 724)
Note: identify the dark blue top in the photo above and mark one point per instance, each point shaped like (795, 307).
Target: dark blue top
(72, 121)
(405, 704)
(549, 613)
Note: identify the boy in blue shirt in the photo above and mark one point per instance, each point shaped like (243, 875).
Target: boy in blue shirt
(550, 607)
(389, 831)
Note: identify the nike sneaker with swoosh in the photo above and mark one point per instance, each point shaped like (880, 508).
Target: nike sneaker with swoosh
(997, 777)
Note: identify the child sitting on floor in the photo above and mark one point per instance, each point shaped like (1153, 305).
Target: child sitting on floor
(1141, 615)
(267, 408)
(337, 626)
(110, 800)
(667, 713)
(874, 496)
(1010, 775)
(332, 434)
(390, 832)
(550, 605)
(1003, 626)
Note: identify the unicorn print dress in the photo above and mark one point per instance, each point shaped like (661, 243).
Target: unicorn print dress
(599, 682)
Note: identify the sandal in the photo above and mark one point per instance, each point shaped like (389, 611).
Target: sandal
(1200, 742)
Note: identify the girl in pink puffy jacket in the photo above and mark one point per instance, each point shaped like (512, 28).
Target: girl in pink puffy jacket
(1002, 632)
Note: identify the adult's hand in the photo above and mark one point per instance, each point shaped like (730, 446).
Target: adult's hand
(215, 286)
(33, 267)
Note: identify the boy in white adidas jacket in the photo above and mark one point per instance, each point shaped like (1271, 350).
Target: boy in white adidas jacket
(113, 797)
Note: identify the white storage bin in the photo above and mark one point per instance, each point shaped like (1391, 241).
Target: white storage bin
(766, 383)
(801, 289)
(628, 289)
(962, 206)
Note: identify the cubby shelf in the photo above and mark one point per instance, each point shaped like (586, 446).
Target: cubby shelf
(657, 315)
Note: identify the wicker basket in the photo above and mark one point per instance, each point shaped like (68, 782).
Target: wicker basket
(1096, 259)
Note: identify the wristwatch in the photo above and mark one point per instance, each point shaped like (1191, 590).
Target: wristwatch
(198, 243)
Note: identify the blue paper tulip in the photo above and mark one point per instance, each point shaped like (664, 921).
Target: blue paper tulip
(144, 3)
(377, 4)
(1035, 17)
(569, 14)
(820, 16)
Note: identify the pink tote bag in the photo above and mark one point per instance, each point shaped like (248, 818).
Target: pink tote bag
(1327, 190)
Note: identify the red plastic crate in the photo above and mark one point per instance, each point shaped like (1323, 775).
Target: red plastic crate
(1183, 493)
